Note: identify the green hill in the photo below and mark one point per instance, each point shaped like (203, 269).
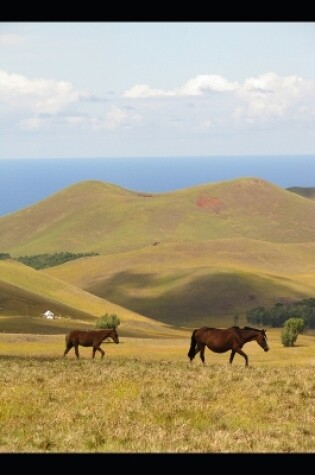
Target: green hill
(27, 293)
(98, 217)
(194, 283)
(200, 255)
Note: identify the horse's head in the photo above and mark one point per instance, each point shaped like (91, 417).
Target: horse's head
(114, 335)
(262, 340)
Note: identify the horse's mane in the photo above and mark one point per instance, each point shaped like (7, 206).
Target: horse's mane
(250, 328)
(236, 327)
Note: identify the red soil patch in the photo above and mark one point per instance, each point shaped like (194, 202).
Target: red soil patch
(213, 203)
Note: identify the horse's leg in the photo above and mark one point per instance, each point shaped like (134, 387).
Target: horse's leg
(232, 356)
(101, 351)
(201, 348)
(67, 350)
(76, 349)
(202, 353)
(98, 348)
(192, 354)
(197, 349)
(240, 352)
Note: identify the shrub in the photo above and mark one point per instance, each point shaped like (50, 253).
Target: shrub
(107, 321)
(291, 329)
(288, 337)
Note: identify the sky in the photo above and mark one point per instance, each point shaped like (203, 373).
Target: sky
(156, 89)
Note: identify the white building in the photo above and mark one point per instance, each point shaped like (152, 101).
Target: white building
(49, 315)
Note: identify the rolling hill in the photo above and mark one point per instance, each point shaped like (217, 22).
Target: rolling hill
(27, 293)
(195, 256)
(192, 284)
(99, 217)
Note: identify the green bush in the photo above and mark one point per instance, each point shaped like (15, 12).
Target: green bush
(291, 329)
(107, 321)
(288, 337)
(296, 324)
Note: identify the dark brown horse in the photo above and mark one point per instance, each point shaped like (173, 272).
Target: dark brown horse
(222, 340)
(89, 338)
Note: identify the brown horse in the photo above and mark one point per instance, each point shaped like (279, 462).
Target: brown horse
(89, 338)
(222, 340)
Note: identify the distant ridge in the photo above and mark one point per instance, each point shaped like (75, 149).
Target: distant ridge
(20, 189)
(307, 192)
(198, 255)
(94, 216)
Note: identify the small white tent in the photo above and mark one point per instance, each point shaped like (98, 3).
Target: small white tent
(49, 315)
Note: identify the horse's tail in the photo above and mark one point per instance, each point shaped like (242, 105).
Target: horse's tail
(191, 352)
(67, 339)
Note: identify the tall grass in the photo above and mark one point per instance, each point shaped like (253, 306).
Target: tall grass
(145, 397)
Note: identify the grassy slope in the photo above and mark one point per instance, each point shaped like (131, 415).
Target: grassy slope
(220, 248)
(26, 292)
(191, 283)
(95, 216)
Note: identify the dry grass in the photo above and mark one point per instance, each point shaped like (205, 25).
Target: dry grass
(189, 283)
(222, 248)
(30, 284)
(145, 397)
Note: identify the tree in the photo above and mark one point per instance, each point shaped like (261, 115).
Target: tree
(107, 321)
(291, 329)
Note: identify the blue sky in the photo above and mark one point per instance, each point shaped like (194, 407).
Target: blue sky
(154, 89)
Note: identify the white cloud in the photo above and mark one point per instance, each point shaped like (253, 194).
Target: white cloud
(7, 39)
(117, 117)
(271, 96)
(206, 83)
(75, 120)
(113, 118)
(143, 91)
(207, 124)
(194, 87)
(261, 98)
(33, 123)
(39, 95)
(205, 104)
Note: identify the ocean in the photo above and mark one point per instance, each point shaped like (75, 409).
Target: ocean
(24, 182)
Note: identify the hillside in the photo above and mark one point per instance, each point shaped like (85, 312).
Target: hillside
(26, 293)
(98, 217)
(193, 283)
(196, 256)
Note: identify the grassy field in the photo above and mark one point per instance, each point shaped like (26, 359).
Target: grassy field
(145, 397)
(169, 261)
